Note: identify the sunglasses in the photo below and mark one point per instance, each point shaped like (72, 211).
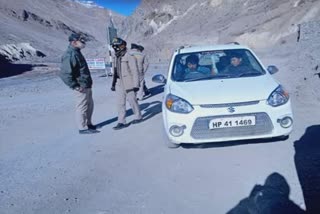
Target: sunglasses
(82, 41)
(116, 47)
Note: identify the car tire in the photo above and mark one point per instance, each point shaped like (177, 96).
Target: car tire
(172, 145)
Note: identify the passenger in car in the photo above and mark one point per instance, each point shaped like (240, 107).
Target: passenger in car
(193, 69)
(237, 66)
(223, 63)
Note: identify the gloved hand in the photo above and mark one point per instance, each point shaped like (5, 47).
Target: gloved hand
(113, 88)
(80, 89)
(135, 89)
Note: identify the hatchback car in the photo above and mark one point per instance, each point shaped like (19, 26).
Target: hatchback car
(222, 93)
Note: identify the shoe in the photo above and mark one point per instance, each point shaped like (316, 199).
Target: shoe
(120, 126)
(147, 94)
(88, 131)
(92, 127)
(136, 121)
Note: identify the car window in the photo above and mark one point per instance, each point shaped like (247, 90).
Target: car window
(216, 64)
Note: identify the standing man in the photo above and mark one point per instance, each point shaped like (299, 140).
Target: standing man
(75, 74)
(127, 83)
(143, 64)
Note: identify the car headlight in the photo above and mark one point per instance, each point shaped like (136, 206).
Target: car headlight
(278, 97)
(178, 105)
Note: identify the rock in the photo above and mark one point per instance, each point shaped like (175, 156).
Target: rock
(15, 52)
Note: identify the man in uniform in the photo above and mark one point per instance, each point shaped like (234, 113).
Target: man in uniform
(76, 74)
(127, 84)
(143, 64)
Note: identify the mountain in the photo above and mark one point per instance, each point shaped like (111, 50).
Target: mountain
(165, 25)
(88, 4)
(46, 25)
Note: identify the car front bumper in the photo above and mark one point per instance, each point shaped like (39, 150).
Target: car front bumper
(195, 125)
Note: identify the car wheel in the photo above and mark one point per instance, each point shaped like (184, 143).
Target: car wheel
(172, 145)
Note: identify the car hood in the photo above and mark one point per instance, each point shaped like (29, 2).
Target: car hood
(225, 90)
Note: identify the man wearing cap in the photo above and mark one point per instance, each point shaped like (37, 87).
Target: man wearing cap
(127, 83)
(75, 74)
(142, 64)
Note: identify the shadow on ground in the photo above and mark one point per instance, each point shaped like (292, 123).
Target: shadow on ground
(9, 70)
(270, 198)
(148, 111)
(156, 90)
(307, 161)
(229, 143)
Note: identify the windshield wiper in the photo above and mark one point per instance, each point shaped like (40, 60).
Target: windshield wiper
(209, 77)
(250, 74)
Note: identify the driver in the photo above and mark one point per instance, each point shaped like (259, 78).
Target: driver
(236, 65)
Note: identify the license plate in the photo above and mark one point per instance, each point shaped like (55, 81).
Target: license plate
(228, 122)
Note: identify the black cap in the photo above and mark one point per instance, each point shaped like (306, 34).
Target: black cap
(118, 42)
(134, 46)
(77, 37)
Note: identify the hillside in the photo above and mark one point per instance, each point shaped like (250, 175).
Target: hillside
(46, 24)
(164, 25)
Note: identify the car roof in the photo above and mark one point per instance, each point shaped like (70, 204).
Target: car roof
(199, 48)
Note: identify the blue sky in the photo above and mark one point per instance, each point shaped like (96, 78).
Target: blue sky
(124, 7)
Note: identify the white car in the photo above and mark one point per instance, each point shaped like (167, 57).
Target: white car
(222, 93)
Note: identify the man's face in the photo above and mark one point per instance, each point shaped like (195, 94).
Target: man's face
(79, 44)
(235, 61)
(192, 66)
(118, 48)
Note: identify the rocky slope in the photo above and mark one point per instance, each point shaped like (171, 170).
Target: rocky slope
(46, 24)
(165, 25)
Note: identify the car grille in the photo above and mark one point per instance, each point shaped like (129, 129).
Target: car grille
(229, 104)
(200, 129)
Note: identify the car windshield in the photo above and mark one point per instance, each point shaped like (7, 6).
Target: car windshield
(216, 64)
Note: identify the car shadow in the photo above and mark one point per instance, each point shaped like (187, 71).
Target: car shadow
(307, 162)
(272, 197)
(9, 70)
(228, 144)
(148, 111)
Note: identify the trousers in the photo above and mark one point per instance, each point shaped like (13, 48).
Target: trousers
(84, 108)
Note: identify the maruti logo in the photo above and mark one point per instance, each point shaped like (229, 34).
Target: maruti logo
(231, 109)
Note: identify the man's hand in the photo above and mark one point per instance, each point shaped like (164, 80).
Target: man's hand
(80, 89)
(134, 90)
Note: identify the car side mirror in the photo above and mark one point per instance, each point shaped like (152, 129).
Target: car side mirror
(159, 78)
(272, 69)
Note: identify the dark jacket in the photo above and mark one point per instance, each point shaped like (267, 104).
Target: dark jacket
(74, 70)
(240, 69)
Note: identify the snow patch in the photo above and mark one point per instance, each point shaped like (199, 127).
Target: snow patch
(311, 14)
(88, 4)
(168, 9)
(215, 3)
(297, 3)
(161, 27)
